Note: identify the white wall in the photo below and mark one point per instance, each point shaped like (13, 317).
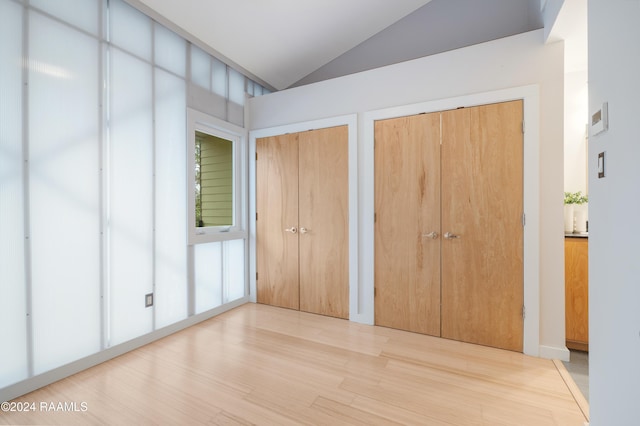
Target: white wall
(550, 11)
(506, 63)
(614, 269)
(576, 116)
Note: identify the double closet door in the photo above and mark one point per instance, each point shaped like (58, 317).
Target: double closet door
(448, 227)
(302, 240)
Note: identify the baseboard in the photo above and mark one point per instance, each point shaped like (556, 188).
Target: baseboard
(554, 352)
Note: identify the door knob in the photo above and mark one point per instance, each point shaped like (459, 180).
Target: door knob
(433, 235)
(303, 230)
(450, 236)
(293, 230)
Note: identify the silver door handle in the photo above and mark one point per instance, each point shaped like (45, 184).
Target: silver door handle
(293, 230)
(303, 230)
(433, 235)
(450, 236)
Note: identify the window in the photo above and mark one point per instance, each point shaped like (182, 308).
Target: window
(213, 180)
(216, 207)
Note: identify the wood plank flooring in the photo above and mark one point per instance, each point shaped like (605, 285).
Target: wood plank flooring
(263, 365)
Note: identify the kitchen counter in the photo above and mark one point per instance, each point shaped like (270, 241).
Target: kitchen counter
(568, 235)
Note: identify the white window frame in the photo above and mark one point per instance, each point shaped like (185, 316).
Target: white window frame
(201, 122)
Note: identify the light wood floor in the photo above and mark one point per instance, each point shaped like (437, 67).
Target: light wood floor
(258, 364)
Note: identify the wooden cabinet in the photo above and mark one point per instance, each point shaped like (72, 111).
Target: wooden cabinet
(576, 271)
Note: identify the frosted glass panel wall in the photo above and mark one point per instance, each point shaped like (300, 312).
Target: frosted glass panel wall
(93, 195)
(171, 195)
(65, 191)
(13, 305)
(208, 276)
(130, 29)
(80, 13)
(130, 215)
(234, 270)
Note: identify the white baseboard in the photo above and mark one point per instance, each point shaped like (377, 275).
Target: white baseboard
(554, 352)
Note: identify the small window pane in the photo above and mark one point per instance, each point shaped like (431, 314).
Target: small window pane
(170, 50)
(236, 87)
(130, 29)
(219, 78)
(233, 271)
(208, 276)
(214, 181)
(200, 67)
(81, 13)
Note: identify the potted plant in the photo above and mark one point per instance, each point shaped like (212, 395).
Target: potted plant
(571, 200)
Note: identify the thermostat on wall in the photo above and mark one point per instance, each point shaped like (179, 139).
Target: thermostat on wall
(600, 120)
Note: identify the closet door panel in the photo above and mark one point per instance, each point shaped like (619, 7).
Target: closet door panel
(277, 209)
(407, 207)
(482, 193)
(324, 221)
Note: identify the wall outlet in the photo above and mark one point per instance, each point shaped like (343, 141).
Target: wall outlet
(148, 300)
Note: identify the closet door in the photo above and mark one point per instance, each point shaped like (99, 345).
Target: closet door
(277, 224)
(324, 221)
(407, 227)
(482, 246)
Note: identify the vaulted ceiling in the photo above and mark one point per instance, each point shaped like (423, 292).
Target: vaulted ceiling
(285, 43)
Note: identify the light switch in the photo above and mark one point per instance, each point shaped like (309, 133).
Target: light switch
(601, 165)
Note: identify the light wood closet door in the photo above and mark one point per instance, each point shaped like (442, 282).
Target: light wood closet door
(482, 193)
(407, 206)
(324, 221)
(277, 208)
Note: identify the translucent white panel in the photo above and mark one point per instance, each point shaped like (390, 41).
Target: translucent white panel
(200, 67)
(236, 87)
(171, 195)
(64, 190)
(130, 29)
(130, 216)
(219, 78)
(208, 276)
(234, 268)
(13, 355)
(81, 13)
(170, 50)
(235, 114)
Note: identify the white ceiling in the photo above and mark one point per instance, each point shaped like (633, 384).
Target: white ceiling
(285, 43)
(282, 41)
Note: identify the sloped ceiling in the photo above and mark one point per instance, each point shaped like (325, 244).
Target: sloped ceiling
(285, 43)
(281, 41)
(437, 27)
